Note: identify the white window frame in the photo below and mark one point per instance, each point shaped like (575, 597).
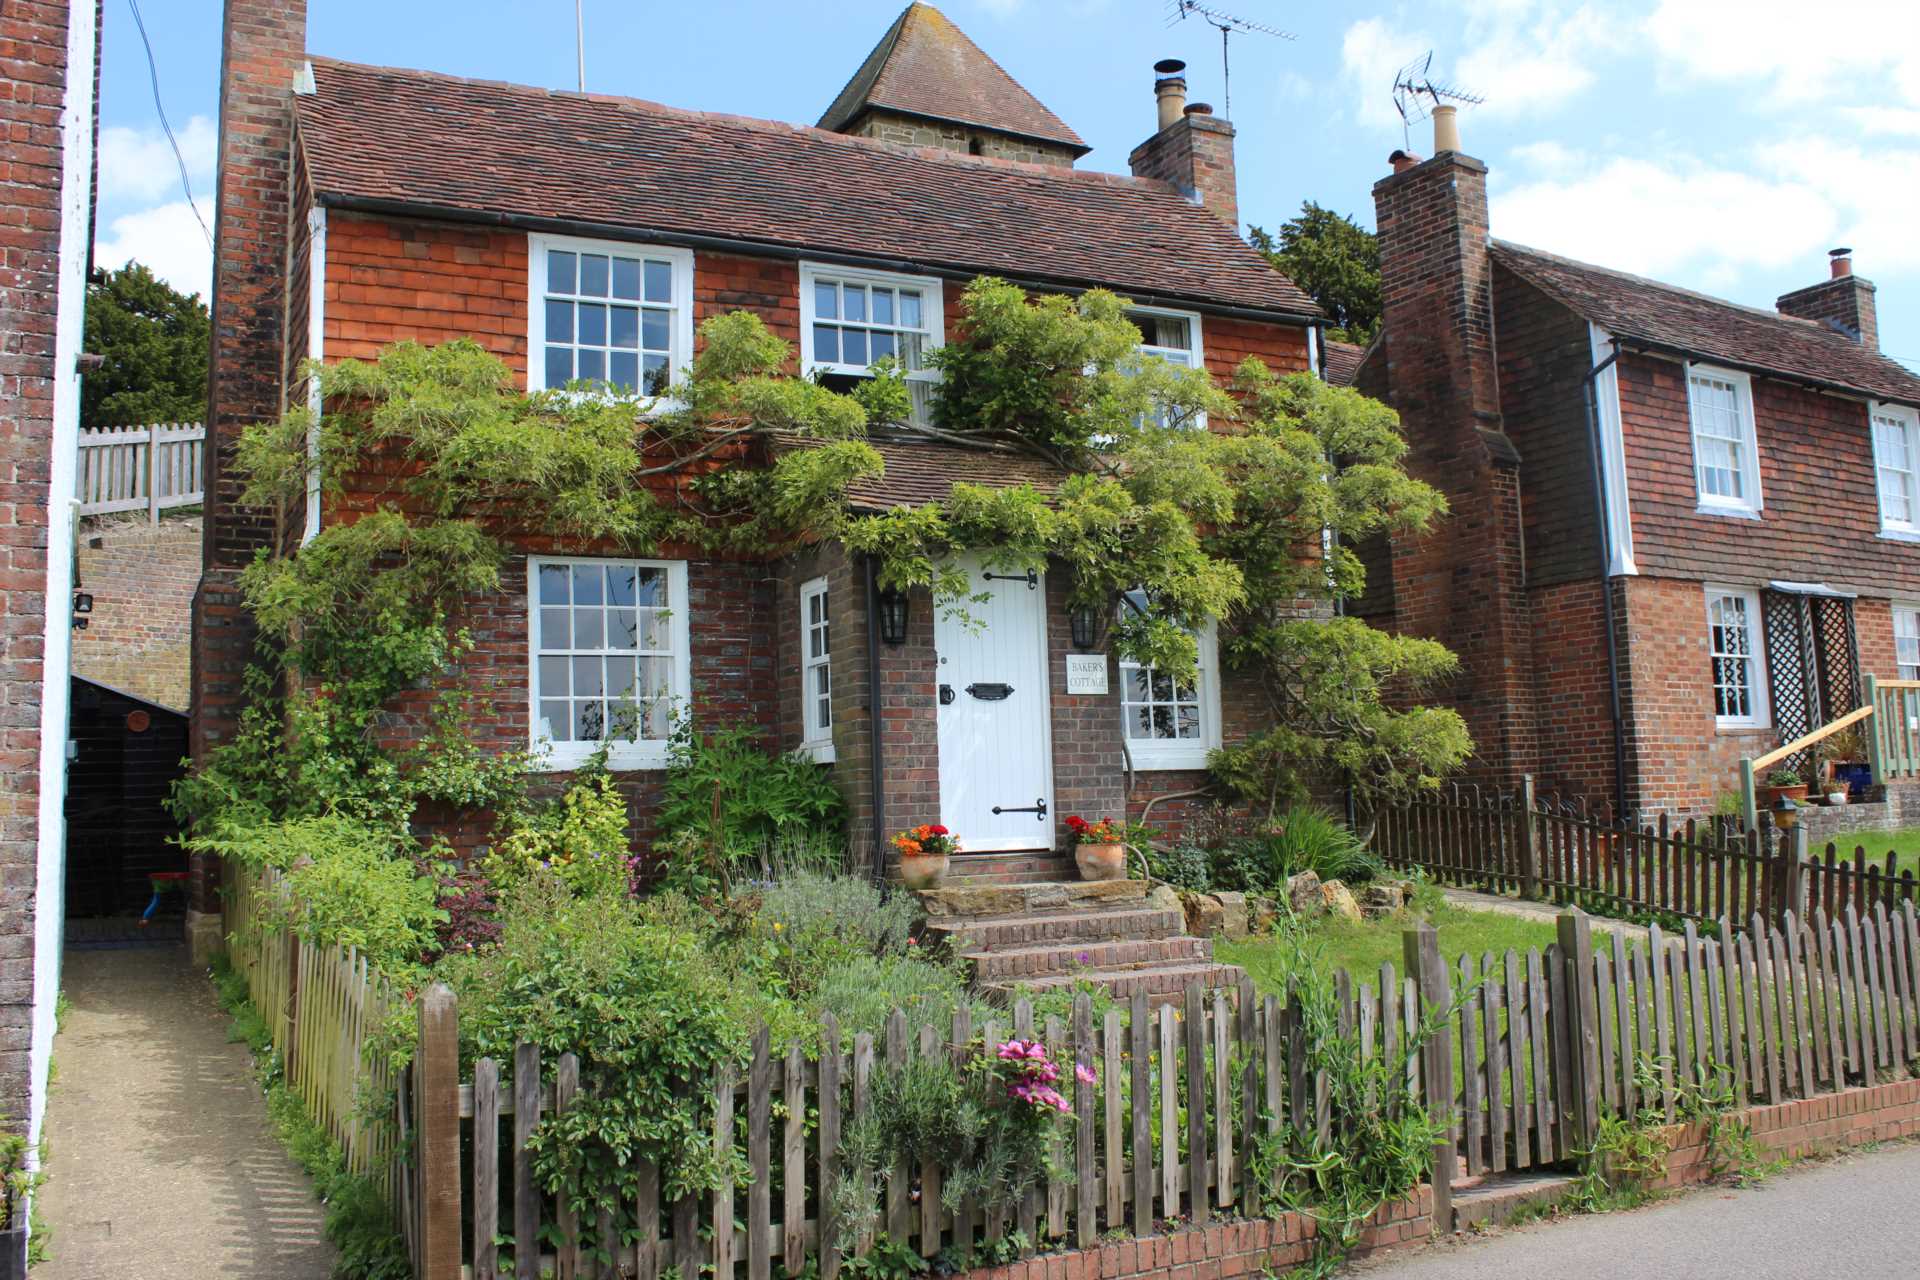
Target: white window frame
(816, 739)
(933, 314)
(1758, 716)
(1152, 754)
(1750, 503)
(1197, 354)
(1908, 529)
(680, 336)
(1910, 611)
(650, 753)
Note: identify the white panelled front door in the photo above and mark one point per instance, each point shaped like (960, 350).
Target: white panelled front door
(996, 741)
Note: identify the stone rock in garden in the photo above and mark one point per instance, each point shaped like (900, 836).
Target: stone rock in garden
(1340, 901)
(1233, 914)
(1383, 897)
(1165, 898)
(1204, 914)
(1261, 913)
(1303, 894)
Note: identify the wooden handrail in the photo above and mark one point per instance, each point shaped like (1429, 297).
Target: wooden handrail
(1806, 740)
(1898, 684)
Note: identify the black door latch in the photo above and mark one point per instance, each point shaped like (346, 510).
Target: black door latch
(1038, 808)
(946, 695)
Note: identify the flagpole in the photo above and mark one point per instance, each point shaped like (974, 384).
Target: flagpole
(580, 43)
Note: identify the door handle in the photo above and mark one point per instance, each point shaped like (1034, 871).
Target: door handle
(946, 695)
(1038, 809)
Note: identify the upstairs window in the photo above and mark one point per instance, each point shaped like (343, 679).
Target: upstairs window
(1906, 639)
(816, 671)
(616, 315)
(1733, 644)
(1172, 336)
(1169, 723)
(1726, 457)
(851, 320)
(1896, 435)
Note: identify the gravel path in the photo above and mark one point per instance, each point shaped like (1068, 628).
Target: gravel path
(161, 1162)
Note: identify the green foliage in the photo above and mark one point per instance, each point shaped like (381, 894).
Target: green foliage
(581, 838)
(864, 991)
(888, 1259)
(1184, 866)
(726, 797)
(1260, 856)
(815, 924)
(154, 340)
(1337, 263)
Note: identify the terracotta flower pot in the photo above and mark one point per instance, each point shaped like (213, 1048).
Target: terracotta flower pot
(1101, 861)
(923, 870)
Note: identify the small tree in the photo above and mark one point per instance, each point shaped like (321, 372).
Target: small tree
(154, 340)
(1336, 261)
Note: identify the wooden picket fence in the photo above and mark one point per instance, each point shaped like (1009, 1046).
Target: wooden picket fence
(323, 1006)
(1514, 842)
(147, 468)
(1531, 1051)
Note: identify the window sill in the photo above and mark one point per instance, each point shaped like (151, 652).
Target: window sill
(820, 752)
(1147, 761)
(1740, 729)
(1900, 535)
(1736, 513)
(565, 757)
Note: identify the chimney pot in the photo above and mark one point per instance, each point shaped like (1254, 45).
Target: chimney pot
(1840, 262)
(1446, 128)
(1170, 90)
(1403, 161)
(1199, 109)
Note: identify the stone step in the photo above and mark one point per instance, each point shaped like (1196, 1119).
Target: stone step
(971, 869)
(964, 899)
(1008, 964)
(1160, 983)
(1135, 921)
(1498, 1198)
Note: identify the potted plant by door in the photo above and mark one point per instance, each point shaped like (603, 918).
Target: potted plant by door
(1098, 849)
(1843, 766)
(1784, 784)
(924, 851)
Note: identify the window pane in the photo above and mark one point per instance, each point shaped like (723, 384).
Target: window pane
(653, 330)
(659, 282)
(586, 677)
(623, 629)
(656, 676)
(853, 346)
(620, 580)
(655, 375)
(554, 632)
(623, 329)
(588, 629)
(826, 344)
(654, 635)
(854, 299)
(553, 584)
(593, 324)
(560, 277)
(910, 308)
(626, 278)
(623, 370)
(559, 321)
(826, 300)
(593, 275)
(883, 306)
(559, 366)
(588, 584)
(589, 721)
(593, 365)
(553, 677)
(882, 345)
(556, 723)
(653, 588)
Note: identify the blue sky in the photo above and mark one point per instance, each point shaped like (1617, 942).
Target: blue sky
(1720, 144)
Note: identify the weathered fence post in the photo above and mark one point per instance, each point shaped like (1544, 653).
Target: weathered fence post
(1529, 857)
(290, 1047)
(1420, 948)
(1580, 1101)
(1794, 880)
(1876, 763)
(436, 1076)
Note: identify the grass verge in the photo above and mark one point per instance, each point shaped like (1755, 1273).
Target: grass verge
(357, 1220)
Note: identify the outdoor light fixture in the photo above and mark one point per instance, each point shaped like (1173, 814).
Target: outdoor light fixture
(1083, 623)
(893, 616)
(82, 606)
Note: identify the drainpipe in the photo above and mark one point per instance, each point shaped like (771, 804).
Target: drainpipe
(1606, 583)
(878, 800)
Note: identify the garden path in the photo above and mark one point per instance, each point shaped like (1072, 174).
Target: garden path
(161, 1161)
(1469, 900)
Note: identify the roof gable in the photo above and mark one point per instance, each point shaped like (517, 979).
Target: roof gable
(1688, 323)
(926, 66)
(413, 142)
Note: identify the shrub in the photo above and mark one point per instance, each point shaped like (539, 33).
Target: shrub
(1185, 866)
(581, 836)
(738, 801)
(1303, 838)
(864, 991)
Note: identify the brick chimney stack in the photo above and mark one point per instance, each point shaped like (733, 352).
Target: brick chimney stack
(1193, 148)
(1464, 583)
(1843, 301)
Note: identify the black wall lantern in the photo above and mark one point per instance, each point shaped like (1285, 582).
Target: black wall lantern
(893, 616)
(82, 606)
(1083, 624)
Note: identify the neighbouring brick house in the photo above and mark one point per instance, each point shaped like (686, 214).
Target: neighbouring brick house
(142, 578)
(586, 235)
(47, 93)
(1715, 506)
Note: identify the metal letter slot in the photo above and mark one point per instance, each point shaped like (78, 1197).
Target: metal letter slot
(991, 692)
(1038, 809)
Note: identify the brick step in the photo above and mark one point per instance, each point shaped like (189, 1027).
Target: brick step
(1495, 1200)
(1132, 922)
(1003, 964)
(1160, 983)
(967, 899)
(1011, 868)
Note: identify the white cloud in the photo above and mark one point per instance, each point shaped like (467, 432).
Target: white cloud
(137, 167)
(1371, 52)
(166, 240)
(1875, 193)
(1791, 51)
(1884, 121)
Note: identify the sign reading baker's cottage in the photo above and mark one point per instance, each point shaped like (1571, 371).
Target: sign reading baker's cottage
(1086, 673)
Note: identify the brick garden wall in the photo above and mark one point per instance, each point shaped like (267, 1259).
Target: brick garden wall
(142, 578)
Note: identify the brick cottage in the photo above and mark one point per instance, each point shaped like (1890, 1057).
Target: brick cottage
(1683, 530)
(588, 236)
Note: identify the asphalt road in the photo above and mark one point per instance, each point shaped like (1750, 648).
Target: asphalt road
(1852, 1217)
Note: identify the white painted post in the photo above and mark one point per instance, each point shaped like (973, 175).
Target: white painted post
(153, 473)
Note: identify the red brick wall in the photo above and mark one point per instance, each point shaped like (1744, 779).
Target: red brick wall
(1194, 153)
(142, 578)
(1820, 516)
(1571, 694)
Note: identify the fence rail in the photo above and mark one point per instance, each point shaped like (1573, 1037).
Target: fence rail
(148, 468)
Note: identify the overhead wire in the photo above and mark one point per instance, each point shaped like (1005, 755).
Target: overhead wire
(153, 74)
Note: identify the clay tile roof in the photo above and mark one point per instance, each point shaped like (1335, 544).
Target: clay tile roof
(1679, 320)
(920, 471)
(377, 138)
(926, 66)
(1342, 361)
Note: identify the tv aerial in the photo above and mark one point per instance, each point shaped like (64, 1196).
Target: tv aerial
(1227, 24)
(1416, 94)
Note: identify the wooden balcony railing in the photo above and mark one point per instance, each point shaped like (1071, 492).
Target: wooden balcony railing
(1890, 723)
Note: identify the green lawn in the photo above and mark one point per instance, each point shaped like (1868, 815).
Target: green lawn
(1904, 842)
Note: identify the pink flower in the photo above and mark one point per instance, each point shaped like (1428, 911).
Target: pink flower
(1084, 1074)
